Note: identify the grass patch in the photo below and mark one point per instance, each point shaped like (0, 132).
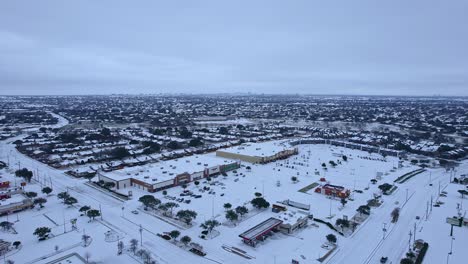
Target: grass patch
(309, 187)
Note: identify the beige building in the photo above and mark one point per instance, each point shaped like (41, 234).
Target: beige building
(259, 152)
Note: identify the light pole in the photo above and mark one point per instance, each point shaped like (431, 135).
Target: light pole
(409, 241)
(100, 210)
(384, 229)
(451, 245)
(141, 235)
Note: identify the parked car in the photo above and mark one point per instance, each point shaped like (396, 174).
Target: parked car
(165, 236)
(135, 212)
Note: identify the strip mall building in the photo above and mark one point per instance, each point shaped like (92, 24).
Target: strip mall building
(163, 175)
(259, 153)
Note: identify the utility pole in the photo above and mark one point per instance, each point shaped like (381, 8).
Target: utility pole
(406, 194)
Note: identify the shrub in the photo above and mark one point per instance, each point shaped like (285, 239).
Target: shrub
(422, 253)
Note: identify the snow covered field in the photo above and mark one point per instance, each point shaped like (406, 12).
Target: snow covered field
(274, 181)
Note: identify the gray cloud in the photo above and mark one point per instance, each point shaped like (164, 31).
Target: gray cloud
(396, 47)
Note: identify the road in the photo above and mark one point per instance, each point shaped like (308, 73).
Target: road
(368, 240)
(111, 207)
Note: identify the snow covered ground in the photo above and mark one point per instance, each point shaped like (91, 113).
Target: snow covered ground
(366, 245)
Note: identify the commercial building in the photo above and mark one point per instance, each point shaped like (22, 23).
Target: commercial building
(333, 190)
(259, 152)
(260, 232)
(166, 174)
(292, 220)
(16, 202)
(286, 222)
(4, 247)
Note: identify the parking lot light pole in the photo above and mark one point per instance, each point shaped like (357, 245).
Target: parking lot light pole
(451, 245)
(141, 235)
(384, 229)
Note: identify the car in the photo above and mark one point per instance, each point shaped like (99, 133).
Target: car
(135, 212)
(417, 217)
(383, 260)
(187, 201)
(197, 252)
(164, 236)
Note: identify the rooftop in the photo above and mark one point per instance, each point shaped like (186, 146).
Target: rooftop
(261, 228)
(167, 170)
(291, 217)
(263, 149)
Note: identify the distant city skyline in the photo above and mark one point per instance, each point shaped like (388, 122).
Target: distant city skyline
(409, 48)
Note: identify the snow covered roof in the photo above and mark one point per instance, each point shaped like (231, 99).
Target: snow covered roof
(167, 170)
(263, 149)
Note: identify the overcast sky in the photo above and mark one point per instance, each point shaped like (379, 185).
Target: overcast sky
(390, 47)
